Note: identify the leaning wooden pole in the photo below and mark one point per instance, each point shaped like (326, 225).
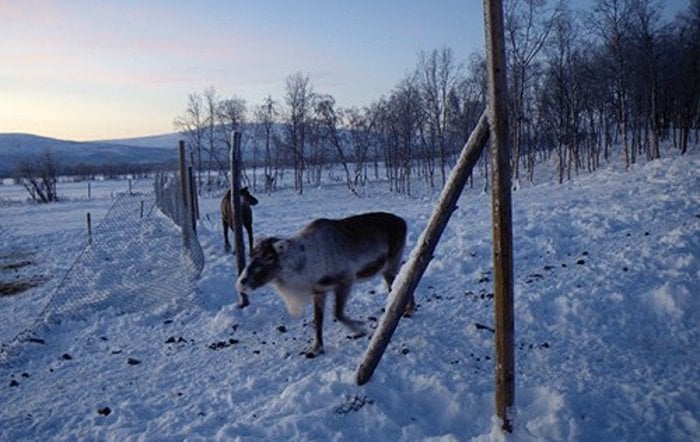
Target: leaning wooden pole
(411, 273)
(236, 200)
(501, 212)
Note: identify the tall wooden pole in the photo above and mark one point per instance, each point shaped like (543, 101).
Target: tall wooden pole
(236, 200)
(238, 245)
(89, 228)
(184, 215)
(501, 212)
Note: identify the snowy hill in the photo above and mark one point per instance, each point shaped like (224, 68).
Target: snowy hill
(607, 278)
(14, 148)
(161, 141)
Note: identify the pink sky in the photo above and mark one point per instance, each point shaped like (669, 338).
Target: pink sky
(89, 69)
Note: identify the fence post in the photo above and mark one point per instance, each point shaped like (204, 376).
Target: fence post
(194, 204)
(183, 198)
(501, 212)
(235, 159)
(89, 229)
(89, 191)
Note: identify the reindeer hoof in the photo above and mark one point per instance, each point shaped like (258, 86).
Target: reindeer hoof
(313, 352)
(243, 303)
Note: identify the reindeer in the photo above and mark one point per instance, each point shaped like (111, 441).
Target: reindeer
(328, 255)
(247, 200)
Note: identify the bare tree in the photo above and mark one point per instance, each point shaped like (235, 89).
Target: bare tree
(404, 124)
(466, 106)
(211, 133)
(192, 126)
(358, 124)
(528, 24)
(438, 73)
(265, 116)
(329, 128)
(683, 60)
(231, 115)
(610, 19)
(39, 175)
(561, 93)
(299, 97)
(647, 32)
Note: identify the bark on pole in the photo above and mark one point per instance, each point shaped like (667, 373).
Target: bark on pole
(89, 229)
(193, 200)
(501, 212)
(411, 273)
(236, 200)
(183, 197)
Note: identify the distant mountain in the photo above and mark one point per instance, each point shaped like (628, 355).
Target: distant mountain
(16, 147)
(162, 141)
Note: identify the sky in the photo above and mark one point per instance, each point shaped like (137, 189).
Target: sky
(89, 70)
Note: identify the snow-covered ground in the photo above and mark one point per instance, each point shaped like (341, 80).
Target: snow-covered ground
(607, 280)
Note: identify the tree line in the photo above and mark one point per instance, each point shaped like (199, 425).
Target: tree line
(580, 84)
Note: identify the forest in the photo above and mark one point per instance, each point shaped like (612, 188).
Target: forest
(585, 87)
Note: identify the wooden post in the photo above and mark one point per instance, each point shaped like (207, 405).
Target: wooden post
(129, 186)
(410, 274)
(141, 212)
(501, 212)
(194, 205)
(89, 191)
(183, 198)
(236, 200)
(238, 245)
(89, 229)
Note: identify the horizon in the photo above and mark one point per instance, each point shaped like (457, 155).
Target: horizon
(84, 71)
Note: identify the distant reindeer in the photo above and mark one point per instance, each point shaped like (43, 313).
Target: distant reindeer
(328, 255)
(247, 200)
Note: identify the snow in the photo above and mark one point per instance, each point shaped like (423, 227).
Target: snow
(607, 278)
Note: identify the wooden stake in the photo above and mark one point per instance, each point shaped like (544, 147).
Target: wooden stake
(410, 274)
(238, 245)
(193, 200)
(501, 212)
(183, 197)
(89, 229)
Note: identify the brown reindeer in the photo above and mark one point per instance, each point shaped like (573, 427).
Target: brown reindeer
(247, 200)
(328, 255)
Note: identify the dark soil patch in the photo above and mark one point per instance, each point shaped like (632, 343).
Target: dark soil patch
(13, 273)
(15, 265)
(10, 288)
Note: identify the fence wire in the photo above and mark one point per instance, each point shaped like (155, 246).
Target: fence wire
(135, 262)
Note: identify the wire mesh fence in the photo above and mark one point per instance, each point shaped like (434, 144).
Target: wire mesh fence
(134, 262)
(171, 202)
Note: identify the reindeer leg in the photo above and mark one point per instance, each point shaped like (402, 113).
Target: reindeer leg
(227, 245)
(243, 300)
(317, 347)
(249, 229)
(342, 293)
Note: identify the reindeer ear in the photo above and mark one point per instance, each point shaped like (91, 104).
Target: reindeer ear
(281, 245)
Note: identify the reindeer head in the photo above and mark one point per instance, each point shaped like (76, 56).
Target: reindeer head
(248, 197)
(264, 264)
